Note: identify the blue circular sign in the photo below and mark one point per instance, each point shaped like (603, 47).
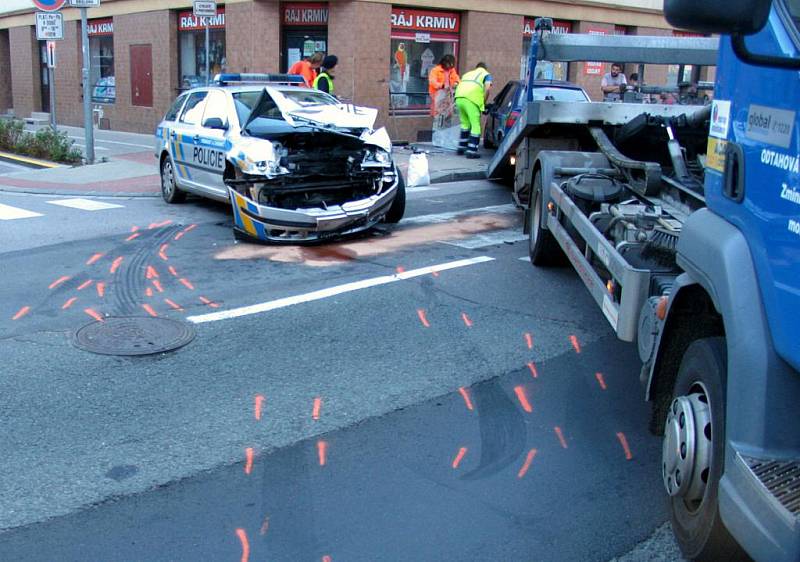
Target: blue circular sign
(49, 5)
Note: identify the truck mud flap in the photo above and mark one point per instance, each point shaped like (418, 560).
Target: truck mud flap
(634, 283)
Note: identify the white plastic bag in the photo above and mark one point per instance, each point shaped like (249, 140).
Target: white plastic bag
(418, 174)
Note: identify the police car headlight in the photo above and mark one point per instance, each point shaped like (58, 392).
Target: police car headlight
(377, 157)
(262, 165)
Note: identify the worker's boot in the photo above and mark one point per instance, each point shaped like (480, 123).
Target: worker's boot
(462, 142)
(472, 146)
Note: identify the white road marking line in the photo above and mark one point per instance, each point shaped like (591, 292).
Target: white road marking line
(449, 216)
(333, 291)
(524, 258)
(85, 204)
(420, 189)
(114, 142)
(79, 145)
(7, 213)
(488, 239)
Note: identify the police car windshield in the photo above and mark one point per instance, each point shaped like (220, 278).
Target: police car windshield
(244, 103)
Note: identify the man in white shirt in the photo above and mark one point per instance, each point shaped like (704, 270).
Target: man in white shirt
(612, 83)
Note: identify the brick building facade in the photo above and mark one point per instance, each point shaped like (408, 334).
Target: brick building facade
(145, 51)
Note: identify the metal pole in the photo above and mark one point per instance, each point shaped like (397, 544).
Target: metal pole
(88, 122)
(51, 78)
(208, 78)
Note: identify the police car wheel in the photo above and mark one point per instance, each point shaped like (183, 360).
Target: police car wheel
(169, 190)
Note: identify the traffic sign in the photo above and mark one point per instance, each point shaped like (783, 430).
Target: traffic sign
(49, 5)
(84, 3)
(51, 55)
(204, 9)
(49, 26)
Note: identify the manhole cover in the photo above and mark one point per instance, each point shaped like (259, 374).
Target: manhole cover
(133, 336)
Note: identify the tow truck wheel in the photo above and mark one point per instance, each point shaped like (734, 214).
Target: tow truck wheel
(398, 208)
(693, 454)
(542, 246)
(169, 190)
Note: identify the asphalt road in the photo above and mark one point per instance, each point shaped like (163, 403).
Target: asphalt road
(418, 393)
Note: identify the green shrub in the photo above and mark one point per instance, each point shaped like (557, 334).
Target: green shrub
(46, 144)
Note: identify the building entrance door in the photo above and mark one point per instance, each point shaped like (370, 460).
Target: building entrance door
(301, 43)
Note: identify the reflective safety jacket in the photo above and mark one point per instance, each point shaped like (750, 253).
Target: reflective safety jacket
(327, 82)
(304, 69)
(473, 86)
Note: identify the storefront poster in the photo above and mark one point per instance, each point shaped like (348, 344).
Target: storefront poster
(305, 14)
(591, 68)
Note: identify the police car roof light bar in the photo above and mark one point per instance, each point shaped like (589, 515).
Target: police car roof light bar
(254, 78)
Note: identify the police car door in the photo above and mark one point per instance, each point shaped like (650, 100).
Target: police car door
(208, 151)
(182, 139)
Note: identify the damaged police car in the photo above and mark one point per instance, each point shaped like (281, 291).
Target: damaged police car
(296, 164)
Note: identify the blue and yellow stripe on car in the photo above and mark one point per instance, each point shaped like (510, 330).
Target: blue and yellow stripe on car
(243, 221)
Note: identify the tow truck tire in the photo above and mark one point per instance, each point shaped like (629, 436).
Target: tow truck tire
(694, 454)
(543, 248)
(169, 189)
(398, 208)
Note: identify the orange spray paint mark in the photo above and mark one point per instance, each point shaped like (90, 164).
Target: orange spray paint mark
(575, 344)
(162, 252)
(85, 284)
(69, 303)
(148, 292)
(153, 225)
(400, 269)
(149, 310)
(133, 236)
(459, 457)
(327, 558)
(600, 380)
(322, 452)
(317, 408)
(115, 264)
(134, 228)
(467, 321)
(560, 436)
(157, 285)
(423, 318)
(101, 289)
(264, 527)
(174, 305)
(94, 259)
(151, 273)
(527, 464)
(184, 231)
(208, 302)
(529, 340)
(624, 442)
(185, 282)
(22, 312)
(523, 399)
(242, 534)
(258, 406)
(94, 314)
(173, 271)
(435, 273)
(532, 369)
(60, 281)
(248, 466)
(465, 395)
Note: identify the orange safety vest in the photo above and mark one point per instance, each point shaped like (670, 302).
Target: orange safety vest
(304, 69)
(438, 79)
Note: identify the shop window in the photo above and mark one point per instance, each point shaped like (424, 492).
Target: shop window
(545, 70)
(192, 47)
(101, 51)
(419, 39)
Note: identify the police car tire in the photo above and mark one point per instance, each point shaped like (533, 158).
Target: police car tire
(398, 208)
(174, 195)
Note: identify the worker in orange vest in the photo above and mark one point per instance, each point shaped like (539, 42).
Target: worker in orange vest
(442, 78)
(308, 68)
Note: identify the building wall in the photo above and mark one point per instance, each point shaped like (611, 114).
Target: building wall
(252, 36)
(25, 79)
(69, 108)
(577, 71)
(5, 62)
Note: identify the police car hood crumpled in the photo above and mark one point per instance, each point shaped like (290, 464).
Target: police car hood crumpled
(341, 116)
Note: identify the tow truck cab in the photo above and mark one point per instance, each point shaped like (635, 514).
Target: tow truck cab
(741, 258)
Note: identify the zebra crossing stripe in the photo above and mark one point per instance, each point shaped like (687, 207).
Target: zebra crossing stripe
(7, 213)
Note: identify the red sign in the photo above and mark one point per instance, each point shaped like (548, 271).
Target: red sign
(594, 68)
(559, 26)
(188, 22)
(424, 20)
(679, 33)
(49, 5)
(305, 13)
(100, 27)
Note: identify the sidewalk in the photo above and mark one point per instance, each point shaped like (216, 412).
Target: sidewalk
(131, 169)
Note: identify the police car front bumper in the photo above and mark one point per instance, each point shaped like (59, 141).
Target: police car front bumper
(273, 224)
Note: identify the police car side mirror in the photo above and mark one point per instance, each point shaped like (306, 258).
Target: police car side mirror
(215, 123)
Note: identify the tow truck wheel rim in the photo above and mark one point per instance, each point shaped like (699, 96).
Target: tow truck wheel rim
(687, 447)
(167, 178)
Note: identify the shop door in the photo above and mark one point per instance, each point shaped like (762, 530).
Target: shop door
(45, 77)
(142, 75)
(301, 43)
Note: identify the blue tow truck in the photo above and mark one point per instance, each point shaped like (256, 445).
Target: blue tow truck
(683, 221)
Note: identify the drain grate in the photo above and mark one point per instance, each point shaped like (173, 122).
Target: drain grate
(133, 336)
(781, 478)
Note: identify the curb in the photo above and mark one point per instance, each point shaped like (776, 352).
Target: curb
(448, 177)
(75, 193)
(26, 160)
